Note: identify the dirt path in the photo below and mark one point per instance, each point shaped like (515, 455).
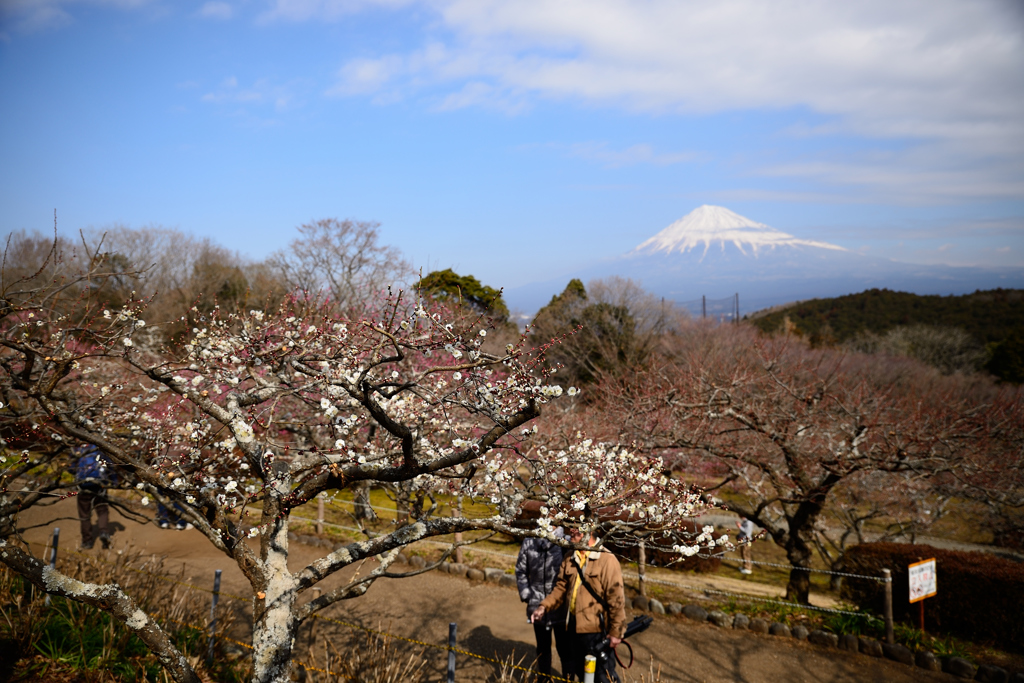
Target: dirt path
(491, 620)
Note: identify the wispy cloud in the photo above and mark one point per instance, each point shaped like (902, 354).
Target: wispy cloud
(942, 74)
(322, 10)
(31, 16)
(261, 92)
(217, 10)
(629, 156)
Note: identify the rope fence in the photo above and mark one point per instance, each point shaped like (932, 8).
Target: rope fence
(216, 593)
(790, 567)
(787, 567)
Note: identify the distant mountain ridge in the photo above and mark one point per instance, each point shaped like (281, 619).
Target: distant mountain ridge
(715, 252)
(988, 316)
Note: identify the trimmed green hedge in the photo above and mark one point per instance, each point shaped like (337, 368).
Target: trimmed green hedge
(980, 596)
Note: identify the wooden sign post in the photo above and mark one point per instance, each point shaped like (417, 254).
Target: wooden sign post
(922, 583)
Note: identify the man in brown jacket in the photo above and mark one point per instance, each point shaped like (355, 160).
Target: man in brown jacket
(593, 612)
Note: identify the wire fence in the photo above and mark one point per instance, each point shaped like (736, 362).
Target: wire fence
(723, 310)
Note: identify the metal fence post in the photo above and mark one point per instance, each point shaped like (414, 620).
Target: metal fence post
(451, 651)
(53, 557)
(213, 615)
(890, 637)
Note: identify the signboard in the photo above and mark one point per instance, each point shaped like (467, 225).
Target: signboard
(922, 580)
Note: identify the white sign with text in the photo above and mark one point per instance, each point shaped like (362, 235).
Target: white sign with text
(922, 580)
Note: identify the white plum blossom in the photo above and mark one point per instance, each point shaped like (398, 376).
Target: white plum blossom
(243, 432)
(127, 342)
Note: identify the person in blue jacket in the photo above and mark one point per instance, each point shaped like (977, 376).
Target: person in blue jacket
(92, 477)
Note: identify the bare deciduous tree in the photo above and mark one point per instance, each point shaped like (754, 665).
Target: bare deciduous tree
(342, 259)
(788, 427)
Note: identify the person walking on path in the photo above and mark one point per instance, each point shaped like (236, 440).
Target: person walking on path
(589, 584)
(744, 537)
(92, 478)
(536, 570)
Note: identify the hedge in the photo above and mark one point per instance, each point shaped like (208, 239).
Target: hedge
(980, 596)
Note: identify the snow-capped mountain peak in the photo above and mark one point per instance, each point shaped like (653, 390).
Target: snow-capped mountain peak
(708, 225)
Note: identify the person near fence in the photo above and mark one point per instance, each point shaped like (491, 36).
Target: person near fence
(536, 570)
(589, 584)
(92, 478)
(744, 537)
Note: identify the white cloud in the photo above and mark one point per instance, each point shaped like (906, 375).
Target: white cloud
(630, 156)
(943, 74)
(216, 10)
(30, 16)
(261, 93)
(322, 10)
(367, 75)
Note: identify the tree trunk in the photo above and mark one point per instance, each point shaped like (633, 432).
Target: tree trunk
(274, 634)
(799, 545)
(274, 624)
(799, 551)
(799, 587)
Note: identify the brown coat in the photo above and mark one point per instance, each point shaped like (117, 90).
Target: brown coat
(603, 573)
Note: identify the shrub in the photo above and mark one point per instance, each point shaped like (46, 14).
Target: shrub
(86, 644)
(979, 594)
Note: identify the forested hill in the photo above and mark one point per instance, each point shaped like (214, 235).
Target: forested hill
(988, 316)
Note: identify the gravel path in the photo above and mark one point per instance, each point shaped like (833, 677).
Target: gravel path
(491, 620)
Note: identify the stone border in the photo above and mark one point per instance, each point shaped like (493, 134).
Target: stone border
(957, 666)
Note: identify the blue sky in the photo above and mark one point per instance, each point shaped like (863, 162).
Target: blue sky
(516, 140)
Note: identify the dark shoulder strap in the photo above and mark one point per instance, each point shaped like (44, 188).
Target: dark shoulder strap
(586, 584)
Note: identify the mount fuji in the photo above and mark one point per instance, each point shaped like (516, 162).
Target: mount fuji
(717, 253)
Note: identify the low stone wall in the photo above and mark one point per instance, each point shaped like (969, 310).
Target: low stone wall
(869, 647)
